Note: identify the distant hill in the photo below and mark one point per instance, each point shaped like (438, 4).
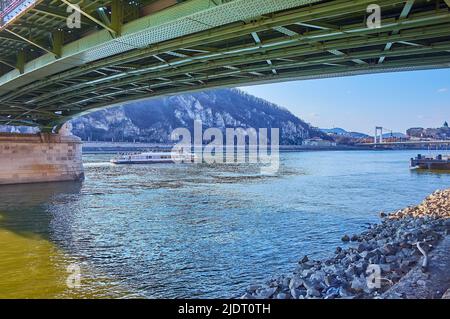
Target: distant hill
(18, 129)
(337, 131)
(154, 120)
(341, 132)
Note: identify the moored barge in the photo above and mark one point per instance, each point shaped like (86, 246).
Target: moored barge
(439, 162)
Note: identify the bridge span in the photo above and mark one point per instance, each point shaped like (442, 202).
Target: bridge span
(113, 51)
(130, 50)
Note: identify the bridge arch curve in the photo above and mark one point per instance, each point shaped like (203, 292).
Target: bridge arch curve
(167, 47)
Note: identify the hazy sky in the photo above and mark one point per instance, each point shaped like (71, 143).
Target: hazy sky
(396, 101)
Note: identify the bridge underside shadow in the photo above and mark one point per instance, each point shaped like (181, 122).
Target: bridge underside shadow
(200, 44)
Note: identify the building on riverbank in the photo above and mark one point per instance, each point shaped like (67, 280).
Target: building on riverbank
(441, 133)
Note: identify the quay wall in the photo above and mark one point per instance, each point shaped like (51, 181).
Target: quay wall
(43, 157)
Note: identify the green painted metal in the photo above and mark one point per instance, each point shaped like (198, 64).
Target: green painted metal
(410, 65)
(222, 34)
(21, 58)
(197, 45)
(219, 59)
(58, 42)
(167, 24)
(117, 11)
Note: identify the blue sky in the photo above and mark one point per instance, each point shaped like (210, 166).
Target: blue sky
(396, 101)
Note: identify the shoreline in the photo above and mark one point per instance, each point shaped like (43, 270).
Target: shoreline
(115, 150)
(114, 147)
(407, 253)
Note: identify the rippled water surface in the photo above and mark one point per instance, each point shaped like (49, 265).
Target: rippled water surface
(194, 230)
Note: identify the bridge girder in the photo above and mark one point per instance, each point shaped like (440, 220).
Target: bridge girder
(321, 39)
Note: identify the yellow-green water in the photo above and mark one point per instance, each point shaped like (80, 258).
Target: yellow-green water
(30, 267)
(31, 264)
(33, 267)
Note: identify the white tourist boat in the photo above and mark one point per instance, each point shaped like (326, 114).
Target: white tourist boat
(154, 157)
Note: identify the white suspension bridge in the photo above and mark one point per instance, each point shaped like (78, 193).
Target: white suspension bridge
(381, 140)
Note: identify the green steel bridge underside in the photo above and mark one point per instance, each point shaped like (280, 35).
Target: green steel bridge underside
(140, 49)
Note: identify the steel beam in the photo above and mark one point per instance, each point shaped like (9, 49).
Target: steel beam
(286, 65)
(58, 42)
(21, 59)
(7, 63)
(252, 69)
(117, 11)
(258, 41)
(249, 56)
(28, 41)
(317, 74)
(319, 11)
(12, 38)
(59, 14)
(403, 15)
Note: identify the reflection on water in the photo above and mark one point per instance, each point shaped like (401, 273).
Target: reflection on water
(195, 230)
(438, 172)
(31, 264)
(24, 207)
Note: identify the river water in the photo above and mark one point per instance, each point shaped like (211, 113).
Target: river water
(194, 231)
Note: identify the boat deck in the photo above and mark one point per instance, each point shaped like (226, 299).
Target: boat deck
(439, 162)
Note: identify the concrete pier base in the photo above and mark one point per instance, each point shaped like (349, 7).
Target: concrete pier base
(43, 157)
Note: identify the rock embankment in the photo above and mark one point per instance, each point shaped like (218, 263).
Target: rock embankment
(374, 261)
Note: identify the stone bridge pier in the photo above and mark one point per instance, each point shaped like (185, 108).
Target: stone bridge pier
(42, 157)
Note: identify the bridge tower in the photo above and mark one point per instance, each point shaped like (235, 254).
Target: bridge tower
(378, 138)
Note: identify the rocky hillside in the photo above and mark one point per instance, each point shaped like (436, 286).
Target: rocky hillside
(153, 120)
(341, 132)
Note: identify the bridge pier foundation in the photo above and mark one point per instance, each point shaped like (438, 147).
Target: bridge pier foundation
(42, 157)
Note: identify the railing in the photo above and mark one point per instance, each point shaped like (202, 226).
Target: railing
(9, 9)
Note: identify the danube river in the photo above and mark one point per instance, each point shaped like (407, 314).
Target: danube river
(193, 231)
